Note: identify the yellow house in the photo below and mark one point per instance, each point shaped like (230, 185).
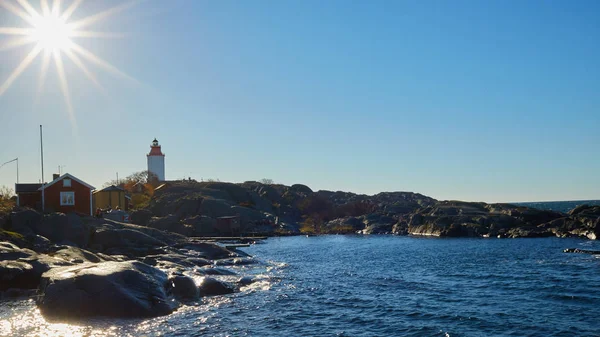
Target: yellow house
(112, 196)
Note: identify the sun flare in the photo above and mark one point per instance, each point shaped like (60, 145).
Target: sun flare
(53, 34)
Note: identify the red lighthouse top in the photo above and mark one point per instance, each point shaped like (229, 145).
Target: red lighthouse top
(155, 149)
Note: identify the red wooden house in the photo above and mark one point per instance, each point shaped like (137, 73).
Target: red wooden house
(64, 194)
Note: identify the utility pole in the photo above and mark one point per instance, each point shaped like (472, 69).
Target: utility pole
(42, 155)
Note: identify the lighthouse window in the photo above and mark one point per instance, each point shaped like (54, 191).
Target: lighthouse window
(66, 182)
(67, 198)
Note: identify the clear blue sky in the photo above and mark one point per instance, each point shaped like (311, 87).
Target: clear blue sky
(473, 100)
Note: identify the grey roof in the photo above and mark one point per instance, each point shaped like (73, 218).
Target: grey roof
(111, 188)
(27, 188)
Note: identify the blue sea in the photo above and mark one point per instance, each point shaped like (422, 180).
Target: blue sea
(558, 206)
(378, 286)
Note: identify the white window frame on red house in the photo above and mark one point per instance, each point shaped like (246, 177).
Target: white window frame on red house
(66, 182)
(64, 198)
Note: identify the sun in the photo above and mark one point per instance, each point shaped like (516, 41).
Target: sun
(51, 32)
(53, 35)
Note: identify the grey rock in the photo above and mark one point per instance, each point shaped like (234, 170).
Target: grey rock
(209, 287)
(184, 288)
(113, 289)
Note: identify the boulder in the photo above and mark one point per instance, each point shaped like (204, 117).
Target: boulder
(124, 238)
(22, 268)
(209, 287)
(207, 250)
(110, 289)
(141, 217)
(184, 288)
(17, 274)
(77, 255)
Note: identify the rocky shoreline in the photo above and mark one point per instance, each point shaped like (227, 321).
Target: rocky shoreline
(85, 267)
(97, 267)
(192, 209)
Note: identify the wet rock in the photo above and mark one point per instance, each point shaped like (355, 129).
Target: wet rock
(246, 280)
(13, 293)
(581, 251)
(17, 274)
(113, 289)
(184, 288)
(235, 262)
(209, 287)
(9, 251)
(215, 271)
(77, 255)
(23, 268)
(207, 250)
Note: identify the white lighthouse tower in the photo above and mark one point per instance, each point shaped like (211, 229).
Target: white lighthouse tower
(156, 161)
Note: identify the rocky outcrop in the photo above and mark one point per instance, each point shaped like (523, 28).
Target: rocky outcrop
(184, 288)
(171, 223)
(22, 268)
(141, 217)
(113, 289)
(457, 218)
(210, 287)
(267, 208)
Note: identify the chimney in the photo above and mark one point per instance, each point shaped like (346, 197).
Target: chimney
(55, 176)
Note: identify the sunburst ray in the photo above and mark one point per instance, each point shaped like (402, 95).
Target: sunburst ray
(43, 73)
(16, 42)
(69, 11)
(32, 12)
(15, 31)
(20, 68)
(102, 15)
(45, 7)
(95, 34)
(56, 7)
(17, 11)
(100, 62)
(53, 36)
(84, 69)
(64, 86)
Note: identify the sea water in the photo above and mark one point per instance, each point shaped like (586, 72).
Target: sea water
(378, 286)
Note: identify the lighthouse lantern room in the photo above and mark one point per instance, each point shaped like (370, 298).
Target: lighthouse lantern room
(156, 161)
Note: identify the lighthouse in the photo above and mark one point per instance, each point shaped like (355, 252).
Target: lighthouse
(156, 161)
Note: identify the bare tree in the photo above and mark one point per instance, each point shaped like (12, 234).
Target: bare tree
(266, 181)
